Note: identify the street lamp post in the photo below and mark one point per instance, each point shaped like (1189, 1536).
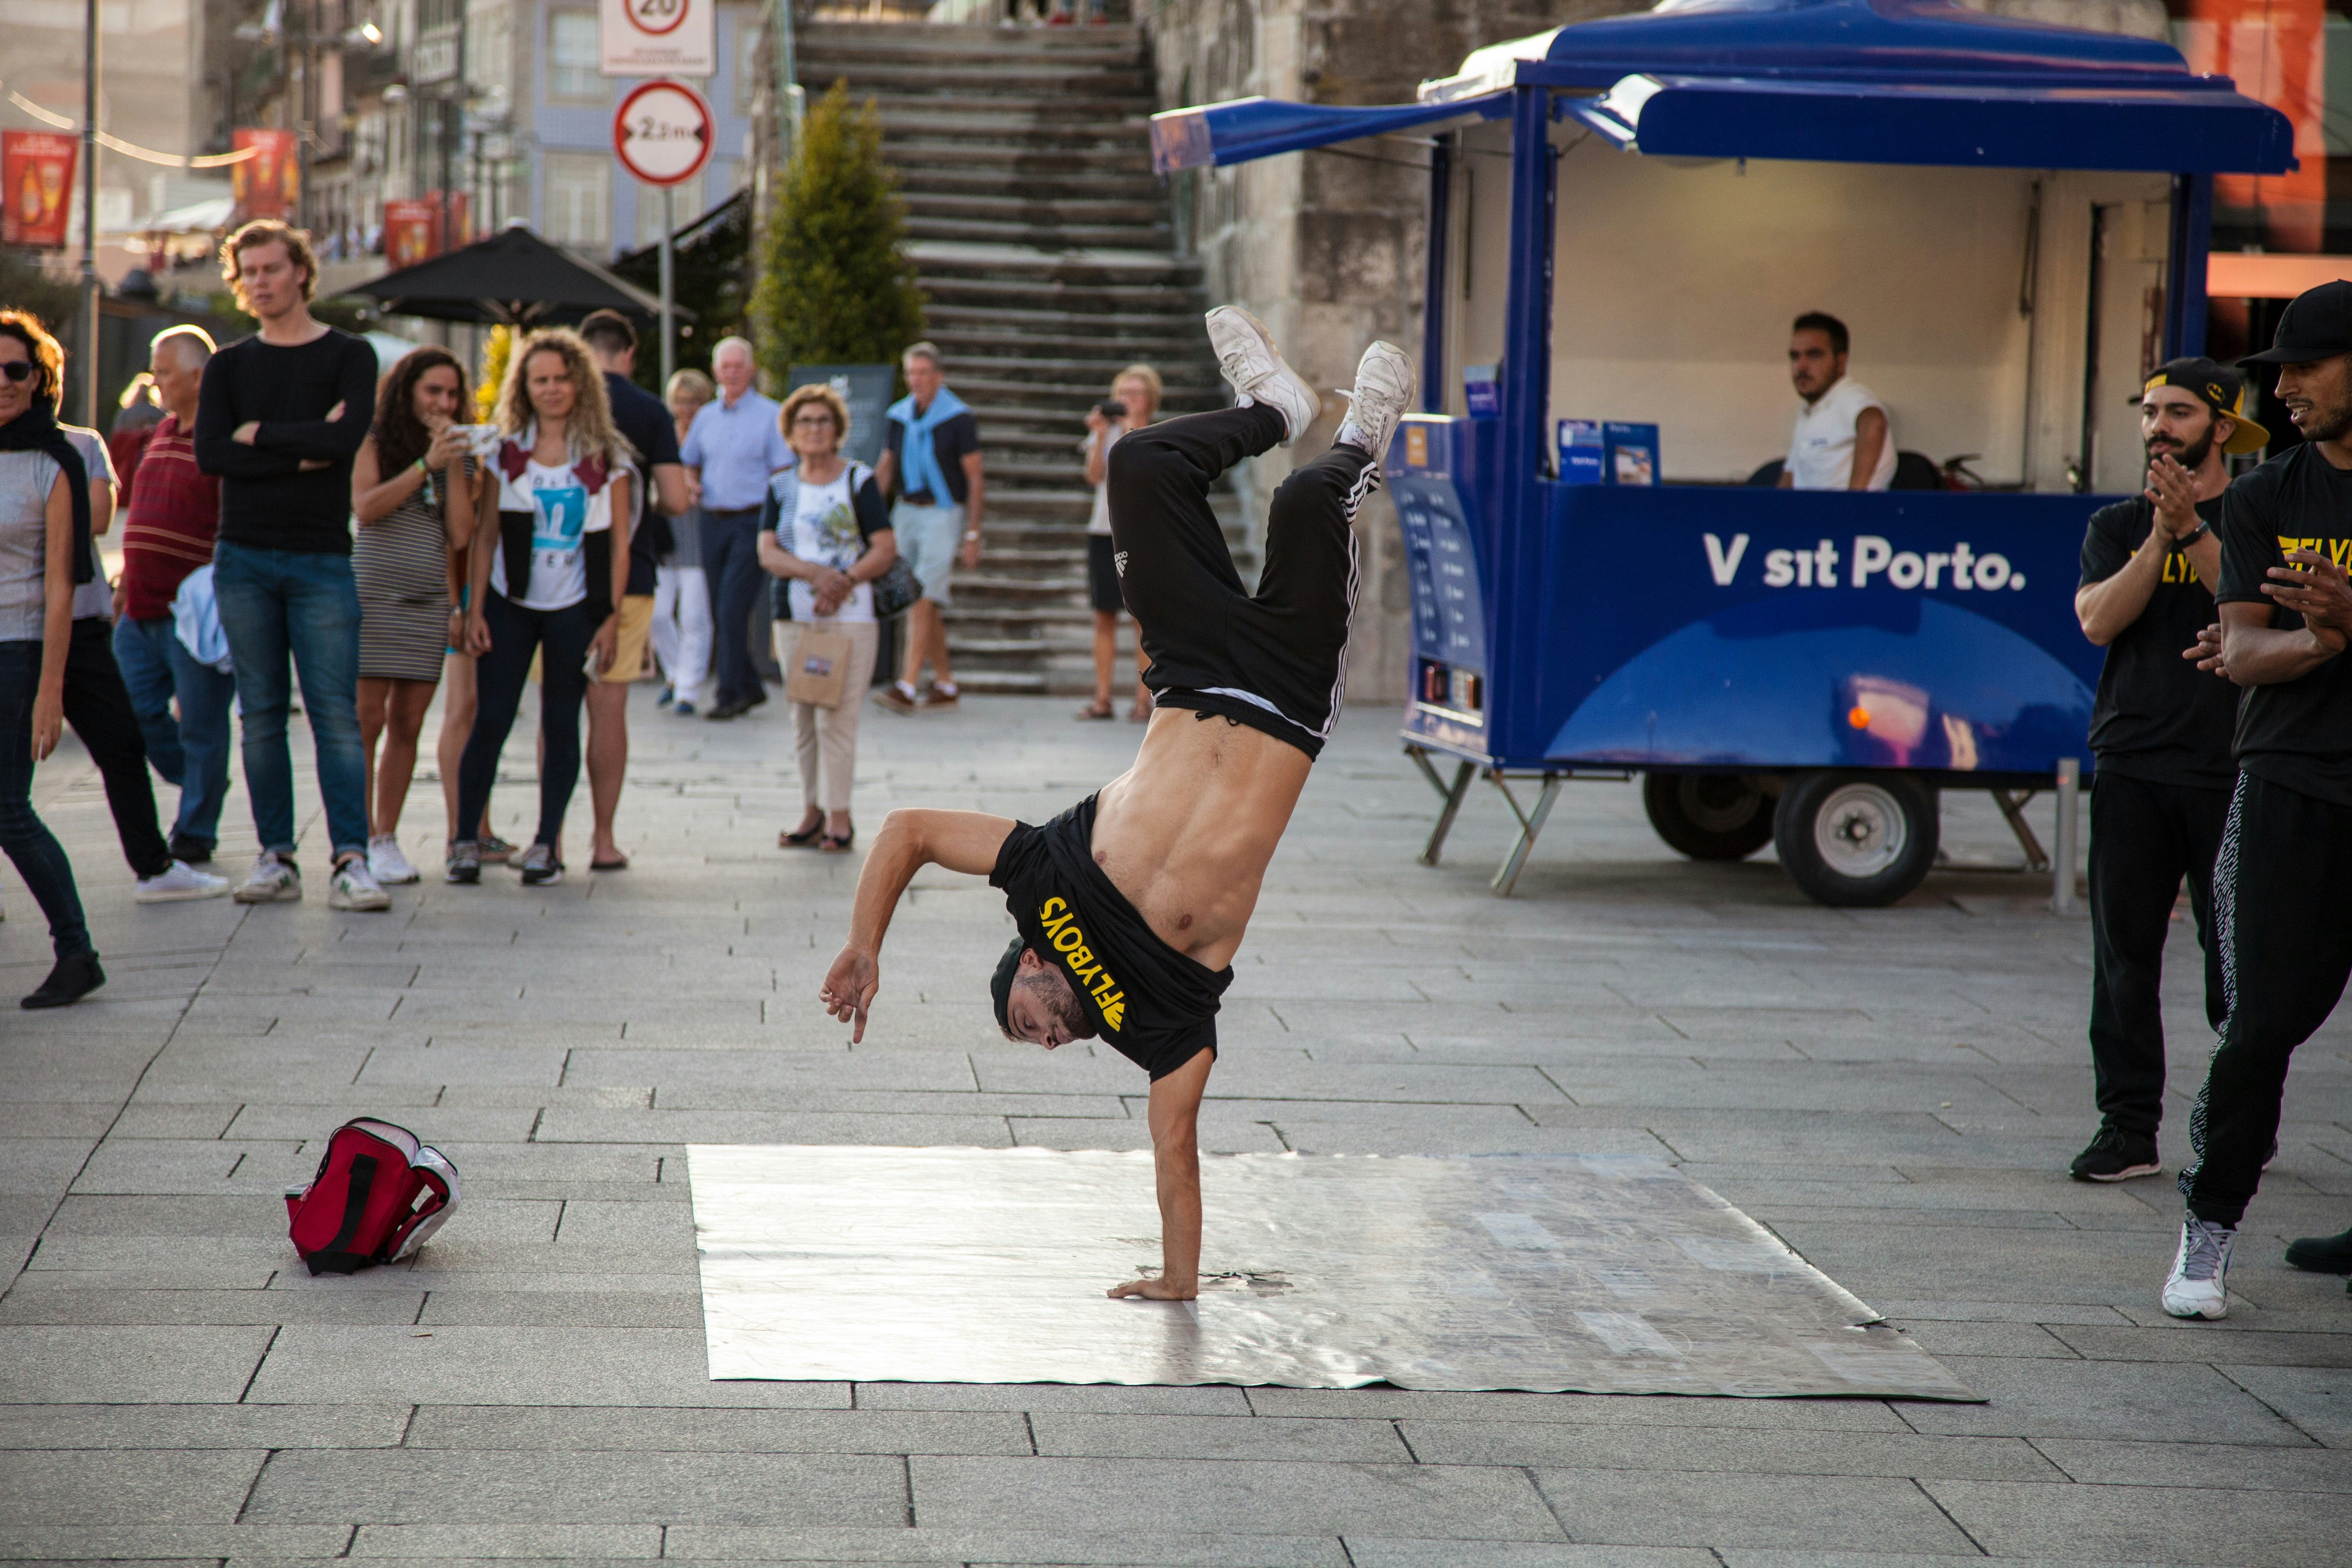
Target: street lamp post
(89, 213)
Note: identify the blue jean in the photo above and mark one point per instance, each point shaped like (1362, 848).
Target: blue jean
(274, 603)
(39, 859)
(730, 561)
(190, 752)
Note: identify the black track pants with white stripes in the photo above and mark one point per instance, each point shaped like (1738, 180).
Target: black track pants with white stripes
(2283, 892)
(1213, 645)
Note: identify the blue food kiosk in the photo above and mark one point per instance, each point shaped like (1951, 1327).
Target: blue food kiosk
(2023, 211)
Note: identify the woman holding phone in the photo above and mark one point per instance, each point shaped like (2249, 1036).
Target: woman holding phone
(417, 493)
(550, 577)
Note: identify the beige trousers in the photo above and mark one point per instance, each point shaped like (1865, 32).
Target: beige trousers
(827, 737)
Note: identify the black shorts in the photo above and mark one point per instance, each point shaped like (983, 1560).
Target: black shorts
(1102, 575)
(1274, 661)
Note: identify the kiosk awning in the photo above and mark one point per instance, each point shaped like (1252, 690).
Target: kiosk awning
(1242, 129)
(2176, 131)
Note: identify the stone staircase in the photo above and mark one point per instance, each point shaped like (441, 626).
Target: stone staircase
(1046, 248)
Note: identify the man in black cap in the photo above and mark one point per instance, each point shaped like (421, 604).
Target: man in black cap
(2161, 734)
(2283, 883)
(1130, 905)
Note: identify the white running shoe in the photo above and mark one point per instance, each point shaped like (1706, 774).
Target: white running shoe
(180, 880)
(273, 880)
(355, 887)
(2195, 1288)
(1247, 358)
(1385, 384)
(386, 864)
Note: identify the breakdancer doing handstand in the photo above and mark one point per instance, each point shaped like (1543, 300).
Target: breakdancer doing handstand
(1131, 904)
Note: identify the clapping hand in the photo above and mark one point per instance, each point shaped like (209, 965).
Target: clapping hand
(2319, 593)
(2174, 495)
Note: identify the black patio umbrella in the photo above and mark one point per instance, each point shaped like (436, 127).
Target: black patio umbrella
(512, 278)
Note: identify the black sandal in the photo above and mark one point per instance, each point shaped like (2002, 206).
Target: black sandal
(833, 845)
(805, 838)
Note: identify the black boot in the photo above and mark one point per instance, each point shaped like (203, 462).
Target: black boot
(72, 979)
(2322, 1253)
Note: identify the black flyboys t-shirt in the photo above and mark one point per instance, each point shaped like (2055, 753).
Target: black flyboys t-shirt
(1155, 1007)
(2157, 716)
(2298, 734)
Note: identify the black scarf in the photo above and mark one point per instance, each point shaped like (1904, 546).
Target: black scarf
(37, 430)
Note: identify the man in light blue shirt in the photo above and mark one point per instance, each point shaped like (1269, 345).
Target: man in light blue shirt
(732, 450)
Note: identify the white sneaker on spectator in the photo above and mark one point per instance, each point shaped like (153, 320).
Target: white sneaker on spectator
(1247, 358)
(386, 863)
(273, 880)
(180, 880)
(355, 887)
(2199, 1269)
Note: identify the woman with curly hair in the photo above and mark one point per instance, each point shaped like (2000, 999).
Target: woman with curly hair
(549, 579)
(417, 492)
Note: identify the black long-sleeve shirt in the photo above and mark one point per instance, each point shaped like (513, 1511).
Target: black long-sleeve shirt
(268, 500)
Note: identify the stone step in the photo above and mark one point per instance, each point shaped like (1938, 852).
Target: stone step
(1105, 111)
(1053, 362)
(1033, 129)
(1145, 213)
(1044, 235)
(1021, 178)
(906, 151)
(1092, 266)
(1131, 333)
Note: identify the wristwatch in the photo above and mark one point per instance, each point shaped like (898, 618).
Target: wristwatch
(2202, 528)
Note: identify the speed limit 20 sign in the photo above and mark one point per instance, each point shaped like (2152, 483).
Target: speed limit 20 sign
(657, 37)
(662, 132)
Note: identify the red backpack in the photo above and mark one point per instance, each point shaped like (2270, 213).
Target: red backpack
(378, 1195)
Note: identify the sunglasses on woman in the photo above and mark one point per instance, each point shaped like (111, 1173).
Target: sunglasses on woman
(17, 368)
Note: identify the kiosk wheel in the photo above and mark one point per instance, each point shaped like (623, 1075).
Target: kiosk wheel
(1708, 816)
(1857, 840)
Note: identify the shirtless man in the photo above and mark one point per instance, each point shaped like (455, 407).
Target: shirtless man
(1131, 904)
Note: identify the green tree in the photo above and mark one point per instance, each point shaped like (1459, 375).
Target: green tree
(835, 286)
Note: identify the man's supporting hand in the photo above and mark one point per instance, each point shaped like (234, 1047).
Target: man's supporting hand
(1174, 1119)
(849, 987)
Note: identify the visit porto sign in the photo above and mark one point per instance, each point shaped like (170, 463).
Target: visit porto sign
(657, 37)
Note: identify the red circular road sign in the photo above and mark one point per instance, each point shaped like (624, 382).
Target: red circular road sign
(663, 132)
(654, 18)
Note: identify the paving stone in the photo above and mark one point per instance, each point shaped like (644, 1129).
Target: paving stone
(1244, 1497)
(567, 1542)
(2317, 1401)
(2029, 1398)
(2256, 1528)
(1222, 1437)
(449, 1365)
(1165, 1549)
(55, 1364)
(33, 1300)
(104, 1486)
(2161, 1462)
(564, 1309)
(1104, 1398)
(197, 1426)
(149, 1543)
(1599, 1409)
(503, 1488)
(1784, 1452)
(722, 1431)
(1370, 1552)
(1691, 1508)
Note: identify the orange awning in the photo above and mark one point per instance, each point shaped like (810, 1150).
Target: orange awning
(2233, 276)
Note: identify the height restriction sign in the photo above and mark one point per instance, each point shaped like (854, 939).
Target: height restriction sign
(657, 37)
(663, 133)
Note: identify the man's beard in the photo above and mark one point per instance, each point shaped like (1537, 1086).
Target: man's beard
(2329, 423)
(2191, 456)
(1053, 992)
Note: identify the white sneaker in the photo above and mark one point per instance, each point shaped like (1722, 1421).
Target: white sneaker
(1247, 358)
(180, 880)
(1385, 383)
(387, 863)
(355, 887)
(2195, 1290)
(272, 881)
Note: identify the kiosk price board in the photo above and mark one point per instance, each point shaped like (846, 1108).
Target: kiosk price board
(1804, 668)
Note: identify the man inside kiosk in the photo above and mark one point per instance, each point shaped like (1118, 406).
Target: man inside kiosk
(1130, 905)
(1842, 440)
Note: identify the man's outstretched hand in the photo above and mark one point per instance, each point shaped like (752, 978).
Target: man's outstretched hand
(848, 989)
(1154, 1290)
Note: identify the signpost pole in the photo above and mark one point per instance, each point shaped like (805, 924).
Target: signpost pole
(88, 366)
(669, 330)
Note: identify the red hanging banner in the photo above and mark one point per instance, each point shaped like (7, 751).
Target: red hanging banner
(37, 167)
(269, 183)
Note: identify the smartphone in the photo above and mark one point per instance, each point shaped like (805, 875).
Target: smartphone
(481, 440)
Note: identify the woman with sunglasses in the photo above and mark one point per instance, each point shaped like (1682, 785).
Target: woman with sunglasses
(45, 550)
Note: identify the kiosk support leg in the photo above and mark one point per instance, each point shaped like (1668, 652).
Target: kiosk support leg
(1451, 795)
(1531, 823)
(2012, 806)
(2062, 880)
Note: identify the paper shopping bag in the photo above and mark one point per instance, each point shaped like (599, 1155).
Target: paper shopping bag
(820, 667)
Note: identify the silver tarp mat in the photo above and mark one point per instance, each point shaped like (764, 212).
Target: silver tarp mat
(1541, 1272)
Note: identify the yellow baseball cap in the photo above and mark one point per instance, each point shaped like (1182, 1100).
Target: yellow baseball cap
(2221, 389)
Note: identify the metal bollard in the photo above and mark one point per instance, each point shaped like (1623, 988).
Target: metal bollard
(2063, 851)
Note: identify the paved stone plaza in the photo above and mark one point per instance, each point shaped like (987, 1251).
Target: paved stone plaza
(1895, 1093)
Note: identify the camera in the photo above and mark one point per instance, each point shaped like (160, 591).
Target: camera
(1114, 409)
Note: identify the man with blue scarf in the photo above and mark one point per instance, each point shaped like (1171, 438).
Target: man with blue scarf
(932, 458)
